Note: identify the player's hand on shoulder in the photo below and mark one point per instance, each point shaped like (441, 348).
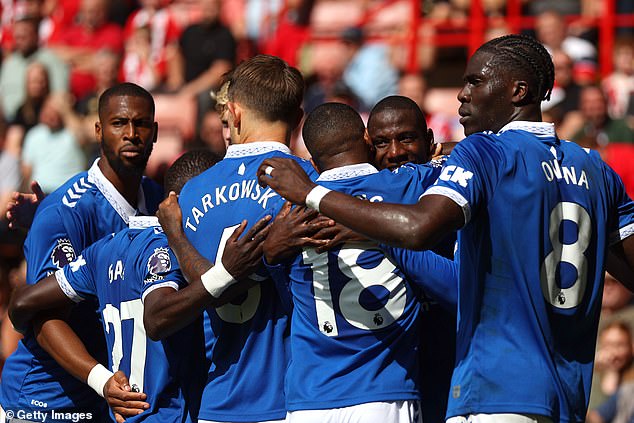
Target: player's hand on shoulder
(286, 177)
(124, 400)
(170, 215)
(243, 253)
(292, 230)
(22, 206)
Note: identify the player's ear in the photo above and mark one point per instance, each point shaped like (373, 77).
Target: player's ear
(98, 130)
(520, 92)
(235, 114)
(368, 141)
(429, 141)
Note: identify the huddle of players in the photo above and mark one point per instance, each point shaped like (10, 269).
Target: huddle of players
(352, 349)
(149, 310)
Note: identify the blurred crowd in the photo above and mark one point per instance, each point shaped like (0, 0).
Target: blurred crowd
(58, 56)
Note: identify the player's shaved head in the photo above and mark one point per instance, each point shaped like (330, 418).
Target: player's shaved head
(398, 103)
(127, 89)
(331, 130)
(188, 165)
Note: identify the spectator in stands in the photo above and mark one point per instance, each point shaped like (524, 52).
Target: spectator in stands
(326, 72)
(617, 303)
(613, 138)
(598, 128)
(12, 11)
(151, 35)
(619, 85)
(37, 89)
(10, 174)
(565, 95)
(551, 30)
(79, 43)
(138, 66)
(13, 70)
(369, 72)
(292, 32)
(414, 86)
(207, 52)
(105, 71)
(614, 368)
(51, 152)
(210, 134)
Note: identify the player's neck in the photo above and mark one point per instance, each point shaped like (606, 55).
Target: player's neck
(127, 183)
(265, 131)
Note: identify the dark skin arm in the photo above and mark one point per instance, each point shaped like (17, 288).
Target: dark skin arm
(45, 306)
(167, 310)
(292, 230)
(417, 227)
(620, 262)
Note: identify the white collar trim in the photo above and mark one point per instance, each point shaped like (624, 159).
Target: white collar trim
(142, 222)
(537, 128)
(255, 148)
(114, 197)
(347, 172)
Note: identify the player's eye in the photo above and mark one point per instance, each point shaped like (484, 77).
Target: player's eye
(379, 142)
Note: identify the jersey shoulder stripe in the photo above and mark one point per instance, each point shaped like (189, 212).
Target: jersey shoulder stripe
(76, 190)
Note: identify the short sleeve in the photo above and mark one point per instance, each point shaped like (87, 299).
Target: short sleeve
(49, 245)
(624, 207)
(77, 279)
(469, 174)
(159, 267)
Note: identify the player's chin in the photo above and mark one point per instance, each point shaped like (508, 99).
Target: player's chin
(135, 163)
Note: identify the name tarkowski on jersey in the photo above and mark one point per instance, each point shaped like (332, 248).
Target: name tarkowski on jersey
(245, 189)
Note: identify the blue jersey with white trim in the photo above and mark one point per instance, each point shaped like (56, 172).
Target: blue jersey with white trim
(539, 216)
(355, 317)
(80, 212)
(245, 338)
(119, 271)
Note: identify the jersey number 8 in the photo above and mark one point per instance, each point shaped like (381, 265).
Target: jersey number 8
(573, 254)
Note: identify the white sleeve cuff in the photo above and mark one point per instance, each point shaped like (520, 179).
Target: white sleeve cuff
(453, 195)
(66, 286)
(624, 232)
(157, 286)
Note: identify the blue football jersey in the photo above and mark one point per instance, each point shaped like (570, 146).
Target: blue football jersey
(540, 214)
(437, 280)
(245, 338)
(354, 326)
(80, 212)
(119, 271)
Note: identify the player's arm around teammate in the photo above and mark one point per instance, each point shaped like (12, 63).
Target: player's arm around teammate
(30, 300)
(166, 311)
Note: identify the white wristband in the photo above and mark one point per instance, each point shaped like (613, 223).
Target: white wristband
(216, 280)
(98, 377)
(315, 195)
